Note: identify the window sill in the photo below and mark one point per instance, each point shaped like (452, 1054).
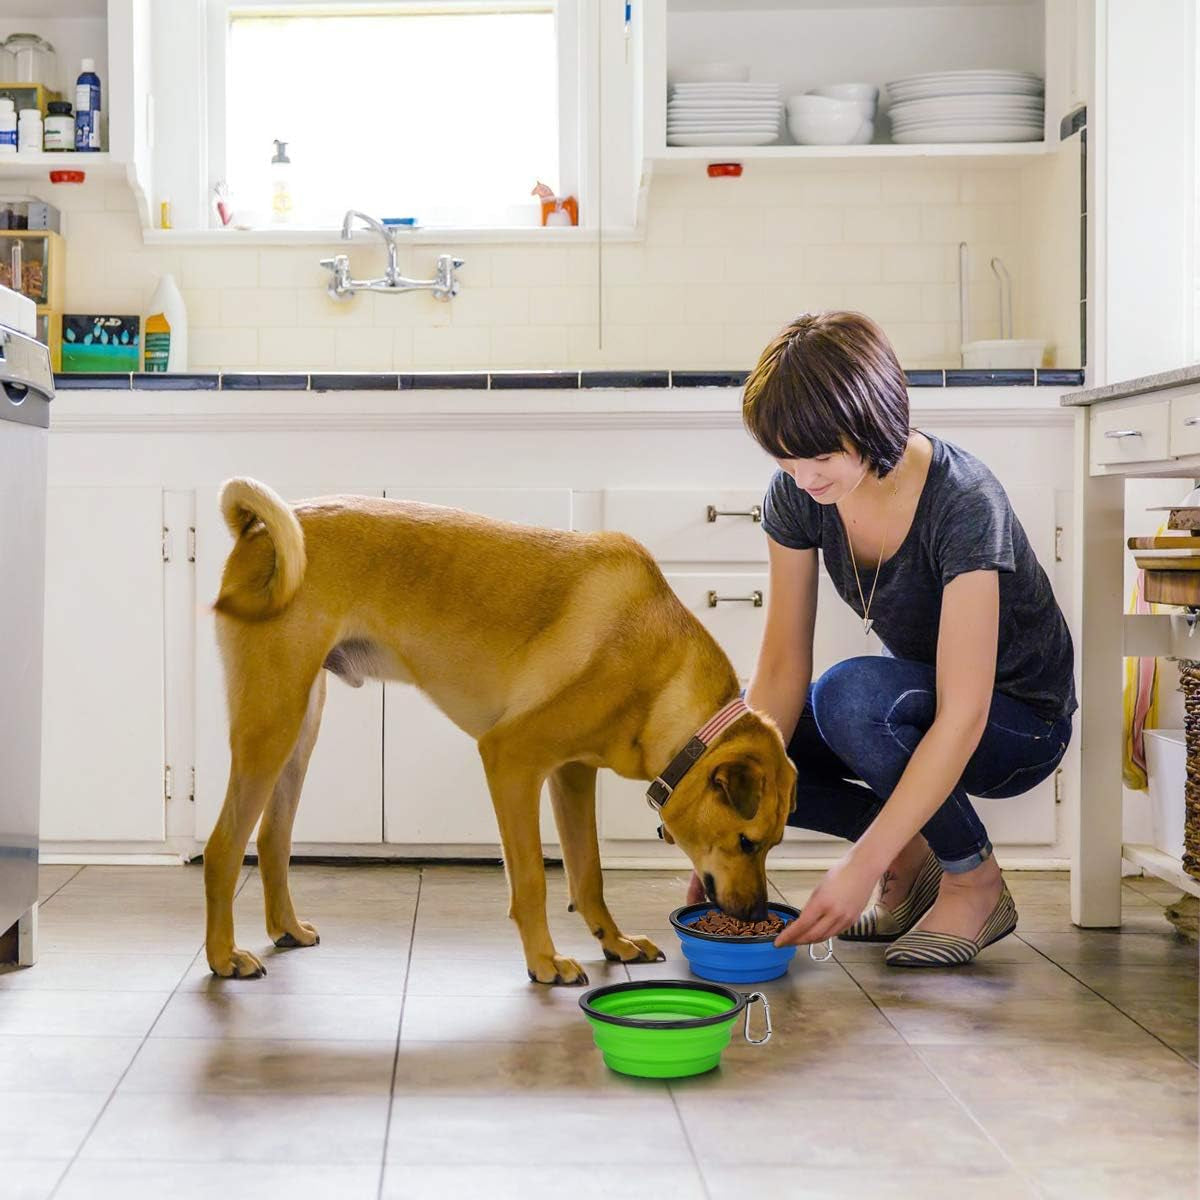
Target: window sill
(570, 235)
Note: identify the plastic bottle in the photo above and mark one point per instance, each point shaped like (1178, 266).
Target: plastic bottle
(87, 107)
(281, 189)
(165, 331)
(59, 126)
(29, 131)
(8, 126)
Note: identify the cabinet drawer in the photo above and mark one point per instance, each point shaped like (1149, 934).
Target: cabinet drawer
(1127, 433)
(1185, 425)
(691, 525)
(736, 619)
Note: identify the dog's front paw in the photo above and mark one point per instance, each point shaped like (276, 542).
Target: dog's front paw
(237, 964)
(632, 949)
(558, 970)
(300, 934)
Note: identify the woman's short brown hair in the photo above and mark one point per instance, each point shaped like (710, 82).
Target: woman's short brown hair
(827, 379)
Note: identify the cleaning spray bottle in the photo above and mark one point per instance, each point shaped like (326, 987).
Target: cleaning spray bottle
(166, 329)
(281, 185)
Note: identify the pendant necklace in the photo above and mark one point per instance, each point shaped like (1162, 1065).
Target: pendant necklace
(866, 601)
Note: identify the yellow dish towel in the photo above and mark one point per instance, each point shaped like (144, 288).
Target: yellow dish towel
(1140, 699)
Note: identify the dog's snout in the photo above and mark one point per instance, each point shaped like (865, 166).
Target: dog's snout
(710, 888)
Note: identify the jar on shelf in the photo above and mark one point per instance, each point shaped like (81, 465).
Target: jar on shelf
(32, 59)
(59, 126)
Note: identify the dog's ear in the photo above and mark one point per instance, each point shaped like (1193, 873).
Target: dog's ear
(741, 785)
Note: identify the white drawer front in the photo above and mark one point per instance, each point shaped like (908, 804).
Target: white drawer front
(1127, 433)
(1185, 426)
(675, 525)
(735, 620)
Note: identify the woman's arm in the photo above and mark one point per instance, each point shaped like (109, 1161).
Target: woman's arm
(966, 673)
(779, 685)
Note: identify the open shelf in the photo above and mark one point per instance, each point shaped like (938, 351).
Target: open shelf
(96, 164)
(1161, 865)
(1016, 151)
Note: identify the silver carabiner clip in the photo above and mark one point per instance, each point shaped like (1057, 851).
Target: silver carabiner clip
(812, 947)
(766, 1037)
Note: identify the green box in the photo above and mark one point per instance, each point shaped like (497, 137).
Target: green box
(101, 344)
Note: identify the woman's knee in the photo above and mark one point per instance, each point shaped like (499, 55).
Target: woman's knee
(860, 696)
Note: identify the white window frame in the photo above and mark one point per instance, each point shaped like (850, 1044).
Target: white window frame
(574, 20)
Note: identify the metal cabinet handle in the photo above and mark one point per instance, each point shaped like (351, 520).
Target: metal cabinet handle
(1189, 421)
(755, 598)
(1123, 433)
(754, 512)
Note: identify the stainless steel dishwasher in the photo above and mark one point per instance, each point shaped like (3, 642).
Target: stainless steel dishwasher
(26, 389)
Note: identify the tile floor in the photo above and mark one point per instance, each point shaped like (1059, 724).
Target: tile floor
(408, 1057)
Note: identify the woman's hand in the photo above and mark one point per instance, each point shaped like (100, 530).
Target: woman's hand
(836, 903)
(695, 892)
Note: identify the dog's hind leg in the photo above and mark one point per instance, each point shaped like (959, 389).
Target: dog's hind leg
(516, 792)
(275, 832)
(265, 721)
(573, 795)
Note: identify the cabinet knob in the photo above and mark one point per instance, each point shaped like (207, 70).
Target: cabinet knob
(1190, 421)
(754, 512)
(755, 598)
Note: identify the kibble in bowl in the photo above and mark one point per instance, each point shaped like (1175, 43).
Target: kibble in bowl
(723, 948)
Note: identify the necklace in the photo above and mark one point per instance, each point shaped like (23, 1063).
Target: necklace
(866, 601)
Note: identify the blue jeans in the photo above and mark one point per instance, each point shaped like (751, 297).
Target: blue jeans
(863, 720)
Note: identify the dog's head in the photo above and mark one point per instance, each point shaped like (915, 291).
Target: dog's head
(730, 809)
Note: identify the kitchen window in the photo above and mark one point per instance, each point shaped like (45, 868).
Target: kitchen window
(443, 112)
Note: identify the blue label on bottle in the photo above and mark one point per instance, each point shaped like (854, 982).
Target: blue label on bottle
(8, 137)
(87, 131)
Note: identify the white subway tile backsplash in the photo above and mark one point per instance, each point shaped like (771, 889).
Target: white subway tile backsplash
(918, 264)
(402, 348)
(368, 349)
(843, 264)
(519, 345)
(562, 306)
(803, 225)
(528, 266)
(836, 186)
(724, 227)
(292, 267)
(881, 224)
(295, 349)
(216, 349)
(731, 301)
(491, 306)
(463, 348)
(317, 309)
(923, 185)
(211, 267)
(263, 308)
(884, 302)
(783, 264)
(611, 346)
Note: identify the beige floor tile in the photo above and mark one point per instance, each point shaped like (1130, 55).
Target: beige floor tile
(1147, 941)
(1008, 950)
(490, 977)
(31, 1179)
(98, 972)
(94, 1180)
(248, 1065)
(64, 1064)
(813, 1132)
(615, 1134)
(983, 982)
(541, 1179)
(276, 1127)
(803, 1183)
(550, 1014)
(79, 1013)
(52, 878)
(571, 1067)
(50, 1125)
(311, 971)
(1084, 1134)
(1044, 1073)
(1147, 1181)
(232, 1009)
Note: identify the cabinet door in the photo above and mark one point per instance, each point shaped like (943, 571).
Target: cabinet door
(343, 791)
(434, 790)
(103, 714)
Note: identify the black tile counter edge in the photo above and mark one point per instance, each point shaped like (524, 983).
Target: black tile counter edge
(244, 381)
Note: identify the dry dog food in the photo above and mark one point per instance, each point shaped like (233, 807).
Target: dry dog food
(722, 925)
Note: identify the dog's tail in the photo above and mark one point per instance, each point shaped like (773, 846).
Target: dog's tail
(253, 596)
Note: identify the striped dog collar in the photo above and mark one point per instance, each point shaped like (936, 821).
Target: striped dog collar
(659, 791)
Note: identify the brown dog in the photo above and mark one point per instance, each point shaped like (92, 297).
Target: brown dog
(559, 652)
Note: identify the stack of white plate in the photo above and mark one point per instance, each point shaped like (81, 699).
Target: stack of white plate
(723, 114)
(967, 106)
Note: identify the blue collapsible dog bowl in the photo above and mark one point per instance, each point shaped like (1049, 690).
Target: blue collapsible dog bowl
(732, 959)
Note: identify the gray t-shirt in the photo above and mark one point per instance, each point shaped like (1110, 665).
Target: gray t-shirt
(963, 523)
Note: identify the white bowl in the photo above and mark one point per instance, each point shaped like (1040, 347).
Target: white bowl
(713, 72)
(838, 128)
(1003, 352)
(865, 95)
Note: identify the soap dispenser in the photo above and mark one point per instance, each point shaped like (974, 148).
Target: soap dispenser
(281, 185)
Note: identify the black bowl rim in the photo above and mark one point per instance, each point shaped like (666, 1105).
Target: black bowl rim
(740, 1000)
(726, 939)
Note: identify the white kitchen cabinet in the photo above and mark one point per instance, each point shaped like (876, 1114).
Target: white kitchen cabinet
(103, 704)
(434, 790)
(341, 802)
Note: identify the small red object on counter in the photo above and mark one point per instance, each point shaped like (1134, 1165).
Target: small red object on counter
(717, 170)
(67, 176)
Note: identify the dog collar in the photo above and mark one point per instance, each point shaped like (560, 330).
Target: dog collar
(659, 791)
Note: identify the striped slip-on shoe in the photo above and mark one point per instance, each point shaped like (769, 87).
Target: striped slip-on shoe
(925, 948)
(881, 924)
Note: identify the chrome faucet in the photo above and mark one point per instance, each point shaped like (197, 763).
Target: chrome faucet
(444, 284)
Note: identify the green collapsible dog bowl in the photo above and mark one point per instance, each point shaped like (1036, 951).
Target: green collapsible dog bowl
(667, 1028)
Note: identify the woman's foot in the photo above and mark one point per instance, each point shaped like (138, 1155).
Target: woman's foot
(904, 892)
(965, 901)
